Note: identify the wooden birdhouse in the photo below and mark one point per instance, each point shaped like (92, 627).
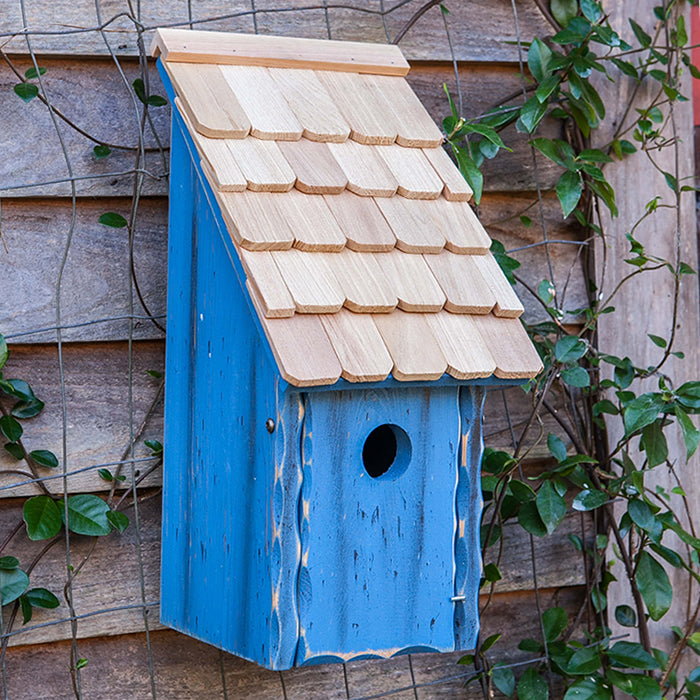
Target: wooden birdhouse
(334, 314)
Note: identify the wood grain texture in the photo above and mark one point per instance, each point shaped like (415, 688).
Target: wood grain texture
(358, 345)
(263, 165)
(264, 275)
(413, 225)
(466, 352)
(316, 169)
(415, 127)
(208, 100)
(311, 222)
(367, 174)
(507, 303)
(363, 224)
(458, 275)
(365, 286)
(254, 220)
(509, 345)
(263, 103)
(310, 281)
(280, 52)
(412, 346)
(483, 31)
(311, 104)
(413, 172)
(463, 232)
(646, 305)
(366, 109)
(456, 187)
(97, 414)
(304, 354)
(413, 282)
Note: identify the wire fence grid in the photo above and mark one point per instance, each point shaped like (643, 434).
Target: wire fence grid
(136, 310)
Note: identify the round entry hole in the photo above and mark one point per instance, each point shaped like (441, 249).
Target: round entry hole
(386, 452)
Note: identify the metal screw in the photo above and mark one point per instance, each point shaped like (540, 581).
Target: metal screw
(458, 599)
(270, 425)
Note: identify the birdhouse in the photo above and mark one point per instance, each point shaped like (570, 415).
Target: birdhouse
(334, 316)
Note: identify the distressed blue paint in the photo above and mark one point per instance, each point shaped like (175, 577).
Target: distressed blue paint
(379, 570)
(278, 546)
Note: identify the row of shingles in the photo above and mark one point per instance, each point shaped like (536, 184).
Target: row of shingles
(286, 103)
(314, 350)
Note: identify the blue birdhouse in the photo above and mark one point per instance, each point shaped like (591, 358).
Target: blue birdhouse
(334, 316)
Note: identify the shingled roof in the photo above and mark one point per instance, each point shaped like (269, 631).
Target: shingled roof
(362, 254)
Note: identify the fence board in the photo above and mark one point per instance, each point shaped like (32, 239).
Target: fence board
(482, 30)
(91, 93)
(190, 670)
(111, 577)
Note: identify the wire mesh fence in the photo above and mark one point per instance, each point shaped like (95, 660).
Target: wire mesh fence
(80, 37)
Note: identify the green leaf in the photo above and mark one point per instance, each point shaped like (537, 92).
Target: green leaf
(12, 584)
(547, 87)
(504, 680)
(9, 563)
(691, 435)
(26, 91)
(546, 292)
(654, 443)
(11, 428)
(42, 517)
(636, 685)
(27, 409)
(681, 33)
(584, 662)
(19, 389)
(551, 506)
(569, 349)
(563, 10)
(470, 171)
(589, 499)
(26, 608)
(15, 450)
(157, 101)
(529, 518)
(591, 10)
(490, 641)
(642, 37)
(82, 663)
(118, 520)
(554, 622)
(531, 114)
(626, 68)
(538, 57)
(556, 447)
(101, 151)
(45, 458)
(631, 655)
(105, 474)
(654, 586)
(532, 686)
(41, 598)
(658, 340)
(31, 73)
(588, 689)
(492, 573)
(528, 644)
(155, 446)
(576, 376)
(87, 515)
(569, 189)
(113, 220)
(626, 616)
(140, 89)
(641, 412)
(4, 351)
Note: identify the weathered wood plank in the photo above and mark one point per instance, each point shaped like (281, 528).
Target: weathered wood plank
(95, 282)
(636, 180)
(190, 670)
(91, 94)
(481, 31)
(115, 557)
(97, 411)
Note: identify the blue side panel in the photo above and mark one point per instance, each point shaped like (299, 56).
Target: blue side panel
(377, 574)
(469, 503)
(216, 582)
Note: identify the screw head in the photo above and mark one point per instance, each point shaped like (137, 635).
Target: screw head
(270, 425)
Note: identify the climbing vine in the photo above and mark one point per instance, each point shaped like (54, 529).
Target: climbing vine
(595, 472)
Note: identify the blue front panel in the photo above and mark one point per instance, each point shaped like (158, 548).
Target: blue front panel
(377, 572)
